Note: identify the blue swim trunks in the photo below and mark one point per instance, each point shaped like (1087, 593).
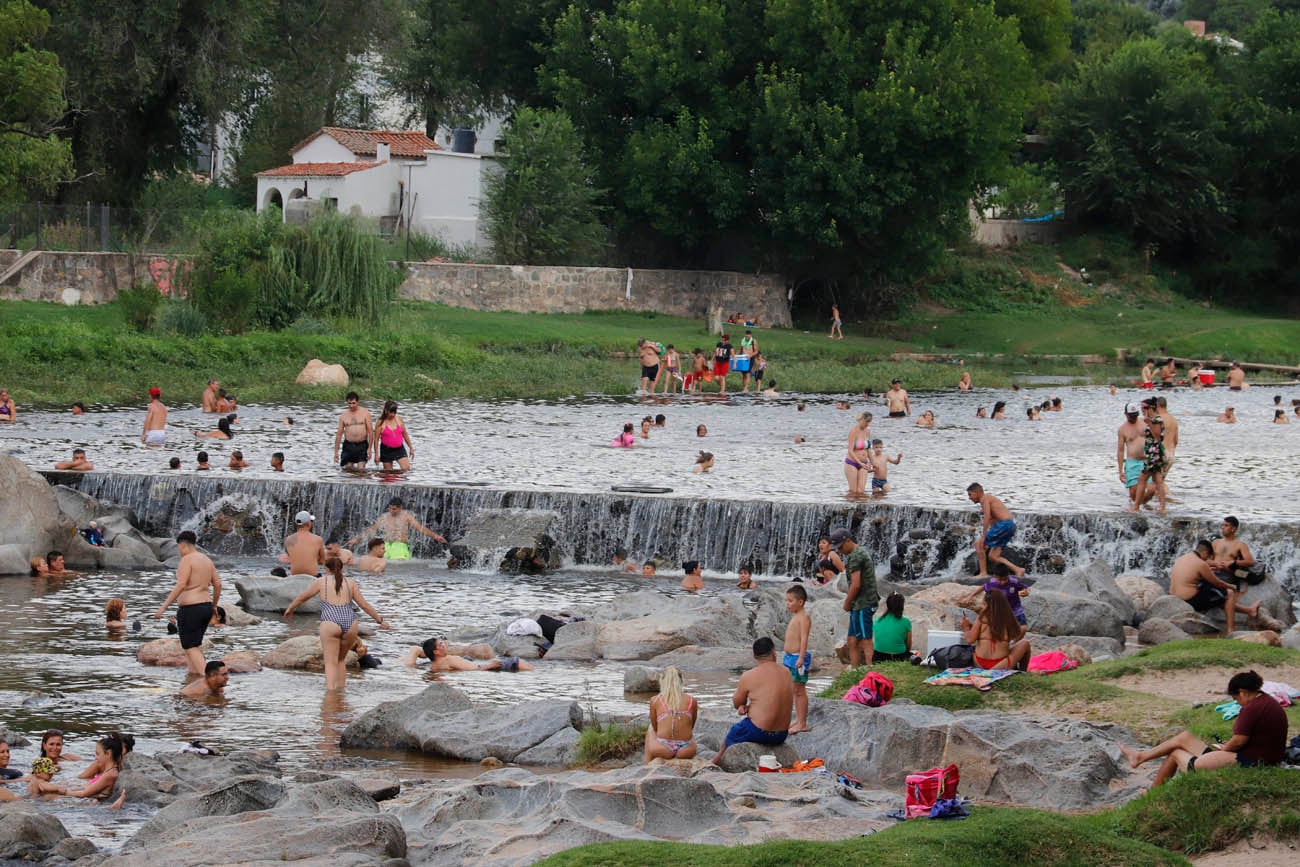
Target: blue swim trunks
(746, 732)
(791, 661)
(877, 484)
(861, 623)
(1000, 534)
(1132, 469)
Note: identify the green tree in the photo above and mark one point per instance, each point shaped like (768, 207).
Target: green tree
(542, 207)
(1140, 138)
(33, 157)
(1101, 26)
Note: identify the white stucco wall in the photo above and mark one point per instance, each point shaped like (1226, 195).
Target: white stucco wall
(324, 149)
(449, 187)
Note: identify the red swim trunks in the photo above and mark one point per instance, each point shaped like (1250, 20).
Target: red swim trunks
(721, 368)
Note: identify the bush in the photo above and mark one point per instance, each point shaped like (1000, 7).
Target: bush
(182, 319)
(343, 269)
(312, 325)
(228, 299)
(604, 741)
(140, 305)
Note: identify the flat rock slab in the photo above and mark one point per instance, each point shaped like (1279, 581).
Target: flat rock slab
(272, 595)
(303, 652)
(380, 789)
(167, 652)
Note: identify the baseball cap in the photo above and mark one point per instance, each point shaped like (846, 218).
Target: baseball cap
(155, 392)
(1130, 409)
(304, 517)
(896, 382)
(838, 536)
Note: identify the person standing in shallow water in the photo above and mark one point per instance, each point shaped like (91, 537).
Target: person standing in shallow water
(392, 441)
(155, 420)
(197, 590)
(355, 434)
(338, 622)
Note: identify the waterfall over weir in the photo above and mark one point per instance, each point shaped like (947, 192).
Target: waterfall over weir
(779, 538)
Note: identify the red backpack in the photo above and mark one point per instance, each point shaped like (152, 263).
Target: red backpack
(874, 690)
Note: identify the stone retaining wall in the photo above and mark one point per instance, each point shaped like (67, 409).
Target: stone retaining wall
(558, 289)
(96, 278)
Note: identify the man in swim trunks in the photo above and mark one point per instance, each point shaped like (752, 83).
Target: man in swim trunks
(1148, 373)
(211, 397)
(862, 597)
(197, 592)
(880, 467)
(436, 650)
(722, 362)
(1128, 451)
(155, 420)
(900, 405)
(648, 353)
(303, 549)
(355, 434)
(1192, 580)
(1236, 377)
(213, 682)
(996, 532)
(764, 697)
(393, 525)
(1230, 552)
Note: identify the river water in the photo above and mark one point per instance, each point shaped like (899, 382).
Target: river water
(63, 669)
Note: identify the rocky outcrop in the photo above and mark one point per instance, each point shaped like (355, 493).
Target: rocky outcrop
(167, 652)
(1140, 591)
(27, 833)
(29, 513)
(1158, 630)
(511, 541)
(519, 817)
(1061, 614)
(1182, 615)
(273, 595)
(744, 757)
(317, 372)
(441, 721)
(160, 779)
(1094, 581)
(302, 652)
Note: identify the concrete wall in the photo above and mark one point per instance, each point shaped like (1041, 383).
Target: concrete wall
(95, 278)
(557, 289)
(1005, 233)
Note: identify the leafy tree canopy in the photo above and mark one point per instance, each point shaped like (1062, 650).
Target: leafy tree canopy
(33, 159)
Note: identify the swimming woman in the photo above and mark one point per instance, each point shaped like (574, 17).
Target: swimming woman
(338, 622)
(671, 734)
(626, 439)
(392, 442)
(857, 463)
(223, 431)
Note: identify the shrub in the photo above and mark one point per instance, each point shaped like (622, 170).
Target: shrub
(182, 319)
(311, 325)
(610, 740)
(140, 305)
(228, 298)
(343, 268)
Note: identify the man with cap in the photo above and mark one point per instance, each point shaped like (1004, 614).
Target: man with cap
(304, 550)
(900, 405)
(155, 420)
(393, 526)
(862, 597)
(1128, 451)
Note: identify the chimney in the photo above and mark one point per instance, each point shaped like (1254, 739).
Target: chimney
(1197, 28)
(382, 150)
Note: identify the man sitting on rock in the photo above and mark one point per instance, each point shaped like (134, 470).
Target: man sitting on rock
(764, 697)
(212, 684)
(437, 651)
(1192, 580)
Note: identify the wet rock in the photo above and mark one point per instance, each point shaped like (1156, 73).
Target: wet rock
(1058, 614)
(523, 646)
(744, 757)
(513, 811)
(1094, 581)
(242, 662)
(1265, 636)
(236, 616)
(302, 652)
(273, 595)
(238, 795)
(29, 512)
(1291, 638)
(440, 721)
(559, 750)
(1182, 615)
(13, 738)
(73, 848)
(127, 552)
(26, 833)
(14, 560)
(639, 679)
(1158, 630)
(1274, 599)
(1142, 592)
(167, 652)
(644, 624)
(695, 658)
(575, 641)
(317, 372)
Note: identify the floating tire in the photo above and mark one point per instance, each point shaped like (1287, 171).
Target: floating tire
(464, 484)
(640, 489)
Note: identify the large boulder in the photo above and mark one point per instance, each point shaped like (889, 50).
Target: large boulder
(160, 779)
(470, 734)
(646, 623)
(167, 652)
(128, 552)
(237, 795)
(1274, 601)
(559, 750)
(511, 816)
(14, 560)
(695, 658)
(27, 833)
(302, 652)
(1094, 581)
(1182, 615)
(744, 757)
(1054, 613)
(575, 641)
(271, 594)
(1140, 591)
(511, 541)
(317, 372)
(29, 512)
(1094, 647)
(1158, 630)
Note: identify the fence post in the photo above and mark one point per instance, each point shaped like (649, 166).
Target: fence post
(104, 227)
(86, 234)
(38, 225)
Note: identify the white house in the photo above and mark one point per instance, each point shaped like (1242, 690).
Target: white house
(398, 178)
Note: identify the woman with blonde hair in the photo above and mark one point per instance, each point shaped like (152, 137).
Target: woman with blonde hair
(857, 463)
(672, 719)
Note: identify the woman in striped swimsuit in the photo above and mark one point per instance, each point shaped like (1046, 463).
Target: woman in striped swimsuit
(338, 620)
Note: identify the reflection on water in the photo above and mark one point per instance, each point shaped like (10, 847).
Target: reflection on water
(1066, 462)
(64, 669)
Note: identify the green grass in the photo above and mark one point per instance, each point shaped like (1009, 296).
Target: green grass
(604, 741)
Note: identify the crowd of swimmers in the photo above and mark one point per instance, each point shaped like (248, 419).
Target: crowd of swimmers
(96, 781)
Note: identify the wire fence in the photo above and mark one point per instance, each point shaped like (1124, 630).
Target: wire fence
(98, 228)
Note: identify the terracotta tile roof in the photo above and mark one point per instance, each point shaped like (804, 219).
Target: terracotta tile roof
(361, 142)
(316, 170)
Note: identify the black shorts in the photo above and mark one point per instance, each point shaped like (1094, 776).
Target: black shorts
(391, 454)
(192, 622)
(899, 414)
(353, 453)
(649, 372)
(1207, 597)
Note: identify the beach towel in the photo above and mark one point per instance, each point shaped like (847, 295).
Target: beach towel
(1051, 661)
(980, 678)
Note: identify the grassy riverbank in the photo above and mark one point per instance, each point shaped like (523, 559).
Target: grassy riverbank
(1193, 814)
(1010, 315)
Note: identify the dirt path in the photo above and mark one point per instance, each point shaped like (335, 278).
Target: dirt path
(1201, 684)
(1247, 853)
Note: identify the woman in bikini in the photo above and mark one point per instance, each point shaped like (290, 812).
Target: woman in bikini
(392, 443)
(997, 637)
(338, 622)
(108, 757)
(672, 719)
(8, 409)
(52, 748)
(857, 464)
(672, 369)
(223, 431)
